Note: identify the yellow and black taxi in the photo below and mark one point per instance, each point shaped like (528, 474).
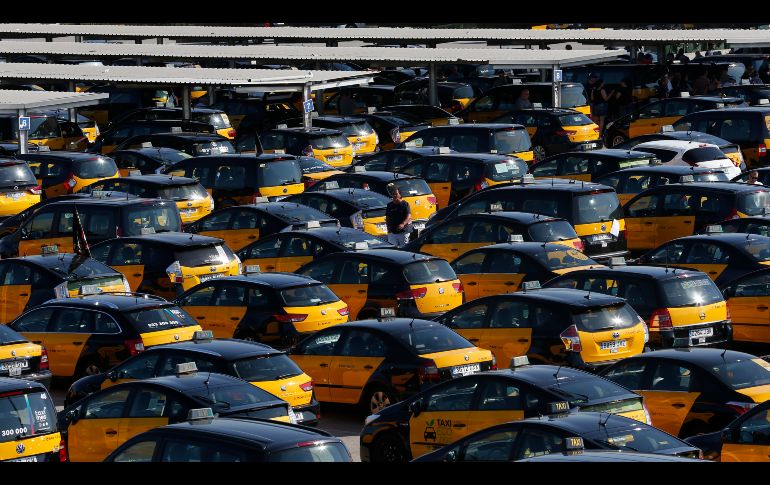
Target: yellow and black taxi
(414, 190)
(89, 334)
(169, 263)
(116, 135)
(31, 280)
(452, 96)
(11, 223)
(255, 113)
(22, 359)
(552, 326)
(122, 99)
(196, 143)
(51, 226)
(751, 225)
(555, 130)
(723, 257)
(499, 138)
(45, 130)
(94, 426)
(392, 127)
(427, 113)
(357, 208)
(747, 295)
(146, 160)
(458, 235)
(743, 440)
(327, 145)
(544, 435)
(268, 307)
(192, 200)
(682, 308)
(393, 160)
(593, 210)
(731, 150)
(502, 99)
(261, 365)
(666, 212)
(452, 410)
(588, 165)
(18, 186)
(375, 363)
(218, 119)
(288, 250)
(416, 285)
(231, 440)
(503, 268)
(746, 127)
(651, 117)
(454, 176)
(693, 391)
(632, 181)
(239, 179)
(364, 97)
(314, 170)
(67, 173)
(28, 417)
(242, 225)
(358, 131)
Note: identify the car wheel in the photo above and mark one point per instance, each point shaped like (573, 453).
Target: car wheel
(90, 367)
(539, 152)
(617, 139)
(376, 398)
(389, 449)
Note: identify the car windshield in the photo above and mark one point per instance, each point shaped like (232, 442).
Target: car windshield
(597, 207)
(370, 200)
(711, 177)
(8, 336)
(230, 396)
(329, 141)
(16, 175)
(141, 219)
(302, 296)
(411, 187)
(283, 172)
(96, 167)
(427, 339)
(220, 147)
(636, 437)
(507, 170)
(754, 203)
(552, 231)
(217, 120)
(356, 129)
(742, 373)
(431, 271)
(606, 318)
(26, 413)
(313, 165)
(203, 255)
(690, 291)
(563, 258)
(160, 318)
(165, 155)
(634, 162)
(79, 267)
(194, 191)
(577, 119)
(266, 368)
(572, 96)
(758, 247)
(312, 451)
(585, 390)
(512, 141)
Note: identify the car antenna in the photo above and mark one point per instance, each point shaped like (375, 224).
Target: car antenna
(723, 354)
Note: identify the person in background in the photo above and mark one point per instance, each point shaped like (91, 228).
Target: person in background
(523, 102)
(501, 80)
(599, 105)
(346, 105)
(592, 78)
(398, 218)
(753, 178)
(701, 86)
(681, 57)
(698, 54)
(620, 103)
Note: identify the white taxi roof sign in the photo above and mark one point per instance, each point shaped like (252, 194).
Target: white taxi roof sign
(313, 224)
(531, 285)
(714, 229)
(410, 144)
(134, 173)
(515, 238)
(387, 312)
(558, 407)
(371, 109)
(519, 361)
(528, 178)
(252, 268)
(496, 207)
(203, 335)
(763, 101)
(573, 443)
(332, 184)
(444, 150)
(686, 179)
(49, 249)
(43, 148)
(186, 368)
(146, 144)
(176, 129)
(359, 169)
(454, 121)
(666, 128)
(684, 94)
(537, 105)
(619, 261)
(198, 414)
(147, 230)
(279, 151)
(360, 246)
(261, 200)
(282, 126)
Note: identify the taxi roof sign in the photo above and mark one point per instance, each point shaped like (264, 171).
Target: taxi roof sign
(252, 268)
(279, 151)
(313, 224)
(496, 207)
(146, 144)
(686, 179)
(332, 184)
(444, 150)
(410, 144)
(619, 261)
(714, 229)
(519, 361)
(531, 285)
(176, 129)
(186, 368)
(763, 101)
(537, 105)
(359, 169)
(666, 128)
(261, 200)
(528, 178)
(49, 249)
(387, 312)
(198, 414)
(134, 173)
(203, 335)
(515, 238)
(573, 443)
(360, 246)
(371, 109)
(557, 407)
(147, 230)
(281, 126)
(684, 94)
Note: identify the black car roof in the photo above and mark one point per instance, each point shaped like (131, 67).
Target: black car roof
(176, 239)
(188, 382)
(66, 155)
(8, 384)
(397, 325)
(584, 422)
(275, 280)
(519, 217)
(261, 158)
(667, 170)
(578, 186)
(381, 176)
(279, 209)
(118, 201)
(51, 261)
(334, 235)
(686, 136)
(529, 248)
(543, 375)
(463, 157)
(395, 256)
(703, 357)
(122, 303)
(309, 131)
(732, 239)
(575, 299)
(193, 136)
(719, 186)
(611, 153)
(480, 126)
(338, 120)
(157, 179)
(228, 349)
(179, 110)
(653, 272)
(351, 196)
(744, 109)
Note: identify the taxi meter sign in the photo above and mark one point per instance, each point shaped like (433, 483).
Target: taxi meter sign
(24, 123)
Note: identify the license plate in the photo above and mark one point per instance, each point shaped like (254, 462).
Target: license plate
(207, 277)
(26, 459)
(419, 227)
(382, 227)
(14, 195)
(612, 345)
(188, 212)
(334, 158)
(293, 417)
(465, 370)
(14, 366)
(702, 332)
(358, 146)
(602, 237)
(589, 146)
(89, 289)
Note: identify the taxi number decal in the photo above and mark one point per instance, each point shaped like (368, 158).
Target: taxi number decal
(694, 283)
(161, 324)
(13, 431)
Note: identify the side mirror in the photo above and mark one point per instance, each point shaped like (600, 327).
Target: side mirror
(729, 292)
(415, 407)
(113, 375)
(73, 415)
(451, 456)
(726, 435)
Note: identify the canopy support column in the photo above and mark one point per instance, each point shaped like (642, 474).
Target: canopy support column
(432, 89)
(23, 134)
(186, 103)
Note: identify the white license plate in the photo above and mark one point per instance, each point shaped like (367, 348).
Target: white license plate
(602, 237)
(419, 227)
(590, 145)
(16, 366)
(702, 332)
(466, 370)
(334, 158)
(612, 345)
(188, 212)
(89, 289)
(14, 195)
(26, 459)
(358, 146)
(207, 277)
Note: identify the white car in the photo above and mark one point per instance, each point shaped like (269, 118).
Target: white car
(692, 153)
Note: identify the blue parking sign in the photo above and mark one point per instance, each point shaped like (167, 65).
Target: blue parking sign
(23, 123)
(308, 106)
(557, 77)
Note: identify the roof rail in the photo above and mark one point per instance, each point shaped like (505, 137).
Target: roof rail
(146, 296)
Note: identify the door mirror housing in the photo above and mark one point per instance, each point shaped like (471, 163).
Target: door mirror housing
(415, 407)
(113, 375)
(72, 416)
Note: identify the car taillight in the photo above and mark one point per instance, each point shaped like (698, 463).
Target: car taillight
(458, 287)
(481, 184)
(646, 330)
(412, 294)
(290, 317)
(494, 363)
(126, 286)
(307, 387)
(44, 359)
(596, 129)
(564, 132)
(395, 135)
(727, 308)
(211, 203)
(571, 339)
(661, 319)
(740, 407)
(432, 199)
(134, 346)
(428, 372)
(70, 183)
(762, 150)
(63, 451)
(733, 214)
(309, 183)
(308, 151)
(344, 311)
(231, 133)
(579, 245)
(36, 190)
(174, 271)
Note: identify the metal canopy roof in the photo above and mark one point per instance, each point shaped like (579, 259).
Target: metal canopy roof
(183, 76)
(13, 100)
(404, 34)
(383, 55)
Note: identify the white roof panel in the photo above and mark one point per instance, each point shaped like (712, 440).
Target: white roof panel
(13, 100)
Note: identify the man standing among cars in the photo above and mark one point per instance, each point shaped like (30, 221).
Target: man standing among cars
(398, 219)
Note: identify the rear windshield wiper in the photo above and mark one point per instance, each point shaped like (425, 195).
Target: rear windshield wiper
(224, 404)
(284, 376)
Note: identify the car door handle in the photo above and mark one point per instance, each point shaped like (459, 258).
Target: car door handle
(368, 367)
(454, 250)
(252, 237)
(473, 340)
(687, 222)
(323, 365)
(510, 283)
(37, 341)
(110, 432)
(648, 223)
(200, 318)
(712, 272)
(235, 319)
(472, 283)
(458, 425)
(362, 291)
(523, 340)
(137, 274)
(762, 308)
(77, 343)
(23, 294)
(269, 267)
(678, 405)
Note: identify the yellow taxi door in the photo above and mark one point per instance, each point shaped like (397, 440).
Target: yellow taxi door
(295, 251)
(446, 241)
(15, 290)
(750, 318)
(709, 258)
(442, 191)
(470, 323)
(500, 401)
(95, 434)
(360, 356)
(352, 285)
(228, 309)
(243, 229)
(147, 411)
(126, 258)
(751, 441)
(314, 356)
(647, 120)
(677, 217)
(509, 332)
(354, 296)
(668, 409)
(642, 219)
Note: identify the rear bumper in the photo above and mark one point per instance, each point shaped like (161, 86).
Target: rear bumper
(679, 337)
(408, 309)
(310, 413)
(42, 377)
(574, 359)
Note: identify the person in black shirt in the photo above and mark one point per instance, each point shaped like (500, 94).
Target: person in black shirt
(398, 218)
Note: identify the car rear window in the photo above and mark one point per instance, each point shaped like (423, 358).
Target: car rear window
(283, 172)
(231, 396)
(566, 258)
(577, 119)
(605, 318)
(96, 167)
(579, 391)
(313, 295)
(160, 318)
(329, 141)
(704, 154)
(8, 336)
(597, 207)
(634, 162)
(313, 165)
(507, 170)
(758, 247)
(16, 175)
(412, 187)
(572, 96)
(550, 231)
(690, 291)
(634, 437)
(266, 368)
(313, 452)
(356, 129)
(711, 177)
(742, 373)
(432, 271)
(161, 218)
(203, 255)
(81, 268)
(194, 191)
(427, 339)
(512, 141)
(26, 413)
(220, 147)
(754, 203)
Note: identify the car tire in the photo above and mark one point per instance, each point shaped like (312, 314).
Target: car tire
(89, 367)
(616, 139)
(389, 448)
(375, 398)
(538, 152)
